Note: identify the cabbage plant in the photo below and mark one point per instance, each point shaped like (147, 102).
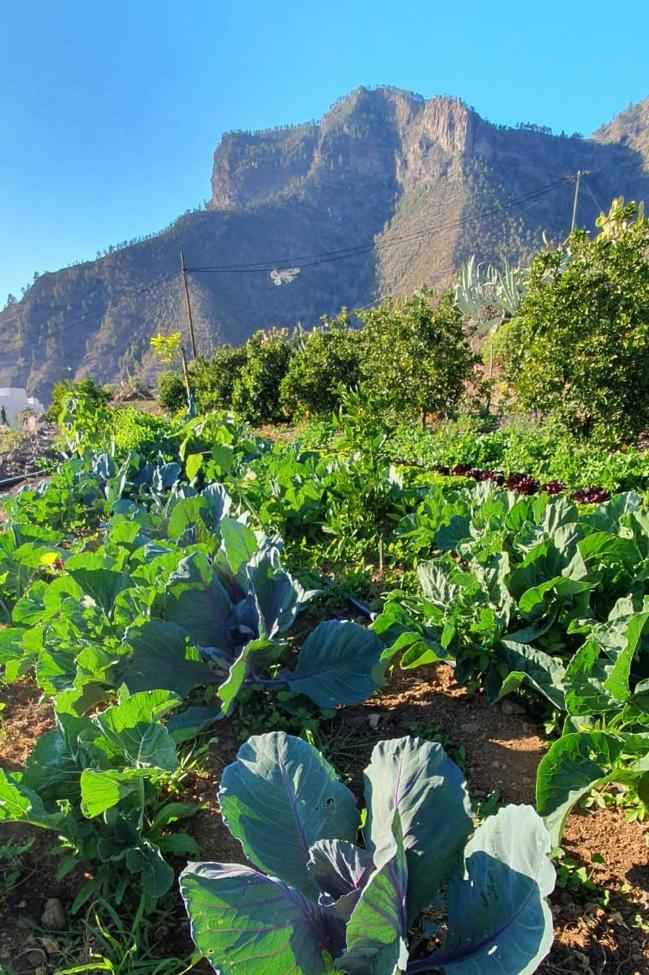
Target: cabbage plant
(420, 895)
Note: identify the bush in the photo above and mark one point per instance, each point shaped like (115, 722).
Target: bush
(214, 380)
(579, 346)
(134, 430)
(416, 357)
(172, 394)
(256, 392)
(327, 362)
(86, 388)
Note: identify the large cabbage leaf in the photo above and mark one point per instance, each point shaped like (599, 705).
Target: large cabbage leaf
(279, 798)
(417, 780)
(339, 663)
(498, 919)
(244, 922)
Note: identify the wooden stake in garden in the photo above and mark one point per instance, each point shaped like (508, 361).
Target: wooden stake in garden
(183, 357)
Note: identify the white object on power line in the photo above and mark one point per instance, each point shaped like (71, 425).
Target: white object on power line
(284, 275)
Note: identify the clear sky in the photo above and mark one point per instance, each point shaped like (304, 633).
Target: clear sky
(110, 110)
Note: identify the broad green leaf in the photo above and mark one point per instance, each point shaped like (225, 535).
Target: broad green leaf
(277, 595)
(498, 917)
(196, 600)
(157, 874)
(193, 464)
(449, 536)
(339, 663)
(417, 780)
(101, 791)
(159, 660)
(281, 779)
(23, 805)
(238, 672)
(247, 924)
(602, 548)
(52, 769)
(13, 656)
(191, 722)
(179, 845)
(239, 543)
(536, 602)
(632, 627)
(171, 813)
(577, 763)
(542, 564)
(100, 582)
(527, 664)
(435, 578)
(339, 867)
(585, 682)
(378, 927)
(419, 644)
(132, 729)
(188, 522)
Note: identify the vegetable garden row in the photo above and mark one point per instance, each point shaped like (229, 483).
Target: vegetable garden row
(151, 586)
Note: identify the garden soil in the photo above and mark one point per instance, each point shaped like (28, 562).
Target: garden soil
(499, 748)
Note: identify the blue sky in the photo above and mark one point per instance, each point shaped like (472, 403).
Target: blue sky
(110, 110)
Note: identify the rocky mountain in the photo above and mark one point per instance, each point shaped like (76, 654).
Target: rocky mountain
(387, 192)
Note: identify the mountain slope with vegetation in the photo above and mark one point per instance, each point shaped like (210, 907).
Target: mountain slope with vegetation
(405, 188)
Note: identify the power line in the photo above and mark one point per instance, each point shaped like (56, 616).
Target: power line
(132, 292)
(311, 260)
(593, 197)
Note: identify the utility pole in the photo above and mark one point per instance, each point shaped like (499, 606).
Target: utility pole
(183, 272)
(577, 178)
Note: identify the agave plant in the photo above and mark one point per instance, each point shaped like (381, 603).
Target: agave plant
(314, 902)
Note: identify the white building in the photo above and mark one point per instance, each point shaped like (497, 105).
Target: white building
(15, 401)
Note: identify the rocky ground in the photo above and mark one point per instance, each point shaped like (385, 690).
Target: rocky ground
(29, 454)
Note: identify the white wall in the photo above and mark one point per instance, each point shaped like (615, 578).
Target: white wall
(15, 401)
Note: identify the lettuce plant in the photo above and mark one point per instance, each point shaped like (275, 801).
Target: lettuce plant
(417, 896)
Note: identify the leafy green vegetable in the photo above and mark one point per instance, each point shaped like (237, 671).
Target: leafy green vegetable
(331, 906)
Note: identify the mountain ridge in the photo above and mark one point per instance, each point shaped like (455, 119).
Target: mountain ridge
(409, 187)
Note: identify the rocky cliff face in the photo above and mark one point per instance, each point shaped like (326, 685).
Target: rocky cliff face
(387, 192)
(251, 168)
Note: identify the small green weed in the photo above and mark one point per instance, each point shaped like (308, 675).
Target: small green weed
(578, 878)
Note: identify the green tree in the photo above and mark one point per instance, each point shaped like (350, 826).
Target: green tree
(579, 346)
(416, 356)
(326, 361)
(214, 379)
(256, 391)
(172, 394)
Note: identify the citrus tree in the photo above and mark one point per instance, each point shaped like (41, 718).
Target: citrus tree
(256, 390)
(416, 356)
(326, 361)
(579, 346)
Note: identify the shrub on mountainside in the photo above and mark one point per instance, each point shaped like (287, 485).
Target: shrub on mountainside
(326, 361)
(416, 356)
(579, 346)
